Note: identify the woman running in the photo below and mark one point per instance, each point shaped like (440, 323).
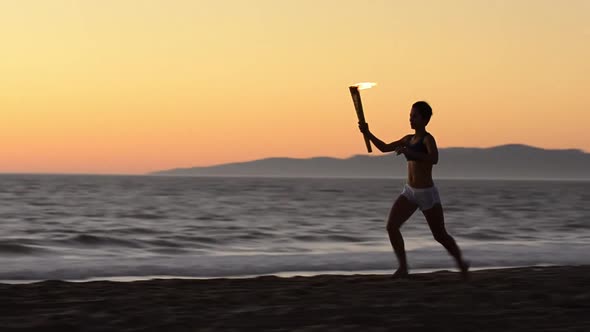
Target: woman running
(419, 192)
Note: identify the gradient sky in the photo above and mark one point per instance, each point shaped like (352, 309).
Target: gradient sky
(112, 86)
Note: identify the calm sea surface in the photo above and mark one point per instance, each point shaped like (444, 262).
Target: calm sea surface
(77, 227)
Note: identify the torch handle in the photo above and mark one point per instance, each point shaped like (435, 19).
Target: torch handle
(358, 106)
(368, 143)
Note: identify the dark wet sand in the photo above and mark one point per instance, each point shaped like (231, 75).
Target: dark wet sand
(521, 299)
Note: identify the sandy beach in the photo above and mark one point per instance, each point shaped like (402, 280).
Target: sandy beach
(516, 299)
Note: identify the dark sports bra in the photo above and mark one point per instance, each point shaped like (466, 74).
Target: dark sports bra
(416, 147)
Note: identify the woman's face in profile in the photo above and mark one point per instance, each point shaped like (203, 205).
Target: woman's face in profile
(416, 119)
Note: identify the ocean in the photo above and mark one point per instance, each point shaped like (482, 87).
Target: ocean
(81, 227)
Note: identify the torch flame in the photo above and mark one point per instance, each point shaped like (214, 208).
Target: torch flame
(365, 85)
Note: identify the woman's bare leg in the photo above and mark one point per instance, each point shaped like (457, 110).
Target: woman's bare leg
(436, 222)
(401, 211)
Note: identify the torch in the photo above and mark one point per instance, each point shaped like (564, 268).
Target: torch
(358, 105)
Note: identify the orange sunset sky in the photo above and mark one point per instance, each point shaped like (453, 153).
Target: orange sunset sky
(132, 86)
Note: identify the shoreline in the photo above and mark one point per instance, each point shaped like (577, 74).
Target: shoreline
(513, 299)
(287, 274)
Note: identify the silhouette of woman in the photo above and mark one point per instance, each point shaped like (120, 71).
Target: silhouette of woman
(419, 192)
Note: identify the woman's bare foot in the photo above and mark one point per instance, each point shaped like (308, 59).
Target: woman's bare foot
(400, 274)
(464, 268)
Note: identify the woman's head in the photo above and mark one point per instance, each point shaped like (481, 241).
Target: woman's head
(420, 114)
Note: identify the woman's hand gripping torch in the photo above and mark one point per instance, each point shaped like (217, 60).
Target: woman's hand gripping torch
(358, 105)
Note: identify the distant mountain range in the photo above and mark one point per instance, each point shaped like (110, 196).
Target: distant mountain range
(512, 161)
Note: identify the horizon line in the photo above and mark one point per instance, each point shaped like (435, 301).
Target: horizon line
(369, 155)
(357, 177)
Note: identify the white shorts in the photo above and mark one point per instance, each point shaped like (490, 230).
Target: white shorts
(425, 198)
